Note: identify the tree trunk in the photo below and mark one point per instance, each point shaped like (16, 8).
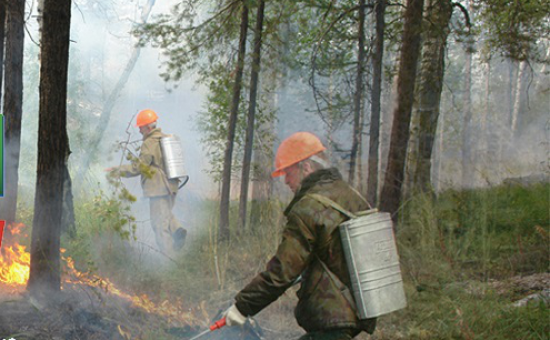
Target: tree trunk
(245, 178)
(68, 219)
(389, 97)
(262, 184)
(410, 50)
(541, 81)
(13, 103)
(105, 117)
(2, 39)
(513, 67)
(357, 99)
(431, 86)
(483, 133)
(53, 148)
(519, 101)
(467, 147)
(439, 152)
(374, 143)
(227, 161)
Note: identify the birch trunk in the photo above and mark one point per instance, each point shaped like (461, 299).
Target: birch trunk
(431, 86)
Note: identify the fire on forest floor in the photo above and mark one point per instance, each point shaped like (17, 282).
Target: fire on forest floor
(88, 306)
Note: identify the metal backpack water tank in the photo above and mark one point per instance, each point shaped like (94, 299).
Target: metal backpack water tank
(172, 153)
(371, 254)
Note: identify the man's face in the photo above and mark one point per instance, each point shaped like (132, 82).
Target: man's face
(293, 177)
(144, 130)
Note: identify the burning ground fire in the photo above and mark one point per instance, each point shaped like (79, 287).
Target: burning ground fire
(15, 268)
(14, 260)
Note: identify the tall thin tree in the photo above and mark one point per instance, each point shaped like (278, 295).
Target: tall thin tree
(231, 126)
(53, 150)
(391, 192)
(2, 39)
(431, 85)
(13, 105)
(247, 159)
(467, 152)
(374, 138)
(358, 96)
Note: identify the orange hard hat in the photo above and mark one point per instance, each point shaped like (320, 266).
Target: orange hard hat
(146, 117)
(294, 149)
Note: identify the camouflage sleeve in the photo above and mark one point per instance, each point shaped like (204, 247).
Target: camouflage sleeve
(138, 165)
(291, 259)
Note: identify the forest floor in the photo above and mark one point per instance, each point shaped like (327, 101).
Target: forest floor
(475, 266)
(84, 312)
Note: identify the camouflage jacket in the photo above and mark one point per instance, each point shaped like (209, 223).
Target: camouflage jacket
(150, 165)
(308, 238)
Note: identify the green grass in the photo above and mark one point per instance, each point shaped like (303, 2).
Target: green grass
(452, 247)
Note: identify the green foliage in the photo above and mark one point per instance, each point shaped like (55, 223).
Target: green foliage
(459, 311)
(207, 48)
(490, 232)
(104, 226)
(515, 28)
(323, 36)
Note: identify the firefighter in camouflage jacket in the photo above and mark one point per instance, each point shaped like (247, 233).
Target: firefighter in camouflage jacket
(309, 249)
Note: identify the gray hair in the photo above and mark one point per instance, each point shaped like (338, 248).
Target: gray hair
(318, 161)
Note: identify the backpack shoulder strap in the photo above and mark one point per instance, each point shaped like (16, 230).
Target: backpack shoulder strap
(331, 204)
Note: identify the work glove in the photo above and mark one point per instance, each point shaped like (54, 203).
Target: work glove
(233, 317)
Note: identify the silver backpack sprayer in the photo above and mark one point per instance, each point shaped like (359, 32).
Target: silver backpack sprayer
(172, 153)
(370, 250)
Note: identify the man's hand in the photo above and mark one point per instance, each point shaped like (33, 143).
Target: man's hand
(233, 317)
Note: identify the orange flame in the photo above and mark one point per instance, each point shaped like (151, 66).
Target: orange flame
(14, 260)
(14, 265)
(15, 268)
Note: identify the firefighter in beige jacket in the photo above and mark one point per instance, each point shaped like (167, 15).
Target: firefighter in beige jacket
(160, 190)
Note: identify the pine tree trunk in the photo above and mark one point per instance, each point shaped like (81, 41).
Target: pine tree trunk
(226, 172)
(53, 148)
(262, 184)
(431, 86)
(482, 132)
(374, 142)
(2, 39)
(13, 106)
(467, 147)
(357, 100)
(251, 114)
(410, 50)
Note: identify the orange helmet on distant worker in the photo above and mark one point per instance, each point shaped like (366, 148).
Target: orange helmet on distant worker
(296, 148)
(146, 117)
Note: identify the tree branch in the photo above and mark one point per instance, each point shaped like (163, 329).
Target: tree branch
(466, 14)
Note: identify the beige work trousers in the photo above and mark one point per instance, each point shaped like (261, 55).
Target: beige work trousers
(163, 221)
